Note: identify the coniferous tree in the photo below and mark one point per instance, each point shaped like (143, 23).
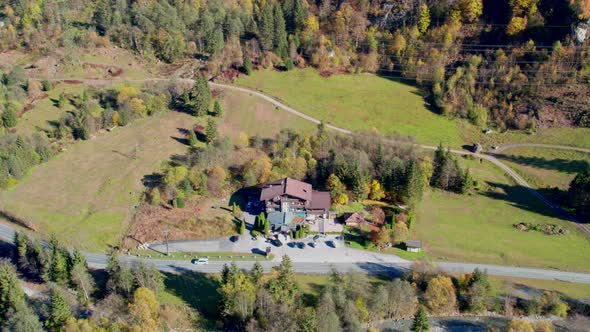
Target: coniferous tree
(267, 28)
(22, 319)
(9, 118)
(299, 15)
(11, 292)
(59, 310)
(247, 65)
(280, 33)
(284, 288)
(120, 276)
(200, 96)
(217, 110)
(256, 273)
(420, 323)
(414, 187)
(211, 131)
(58, 263)
(242, 227)
(192, 139)
(579, 193)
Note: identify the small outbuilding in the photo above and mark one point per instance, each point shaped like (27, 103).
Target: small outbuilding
(355, 220)
(413, 245)
(477, 148)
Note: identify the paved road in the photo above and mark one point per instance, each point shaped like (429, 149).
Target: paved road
(374, 266)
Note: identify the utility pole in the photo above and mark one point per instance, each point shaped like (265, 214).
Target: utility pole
(166, 231)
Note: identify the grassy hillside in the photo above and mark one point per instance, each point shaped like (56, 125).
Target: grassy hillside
(560, 136)
(46, 110)
(251, 115)
(478, 228)
(86, 194)
(357, 102)
(544, 167)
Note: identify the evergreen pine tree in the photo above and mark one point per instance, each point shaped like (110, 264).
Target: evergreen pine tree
(192, 138)
(58, 263)
(256, 273)
(200, 96)
(579, 193)
(242, 227)
(299, 15)
(9, 118)
(414, 187)
(247, 65)
(62, 100)
(420, 323)
(280, 33)
(266, 227)
(267, 29)
(217, 110)
(22, 319)
(59, 310)
(211, 130)
(11, 292)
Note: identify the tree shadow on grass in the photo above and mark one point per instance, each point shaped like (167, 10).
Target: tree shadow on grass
(521, 198)
(197, 289)
(561, 165)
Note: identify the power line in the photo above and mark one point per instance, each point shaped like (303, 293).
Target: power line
(480, 68)
(415, 78)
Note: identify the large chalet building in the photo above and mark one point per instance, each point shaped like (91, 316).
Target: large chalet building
(289, 202)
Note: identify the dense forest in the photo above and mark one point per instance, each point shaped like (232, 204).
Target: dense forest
(512, 64)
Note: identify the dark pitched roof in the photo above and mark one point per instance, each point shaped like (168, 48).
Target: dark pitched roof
(286, 186)
(320, 200)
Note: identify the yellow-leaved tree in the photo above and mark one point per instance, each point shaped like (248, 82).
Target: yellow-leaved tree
(440, 295)
(144, 311)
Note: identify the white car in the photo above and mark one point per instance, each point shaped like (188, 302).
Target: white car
(201, 261)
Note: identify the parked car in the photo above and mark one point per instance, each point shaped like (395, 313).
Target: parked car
(333, 244)
(201, 261)
(318, 236)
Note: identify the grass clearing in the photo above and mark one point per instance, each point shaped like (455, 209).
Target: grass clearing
(244, 113)
(357, 102)
(478, 228)
(577, 137)
(528, 288)
(544, 167)
(86, 194)
(38, 118)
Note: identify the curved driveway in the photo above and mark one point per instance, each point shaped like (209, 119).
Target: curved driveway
(517, 178)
